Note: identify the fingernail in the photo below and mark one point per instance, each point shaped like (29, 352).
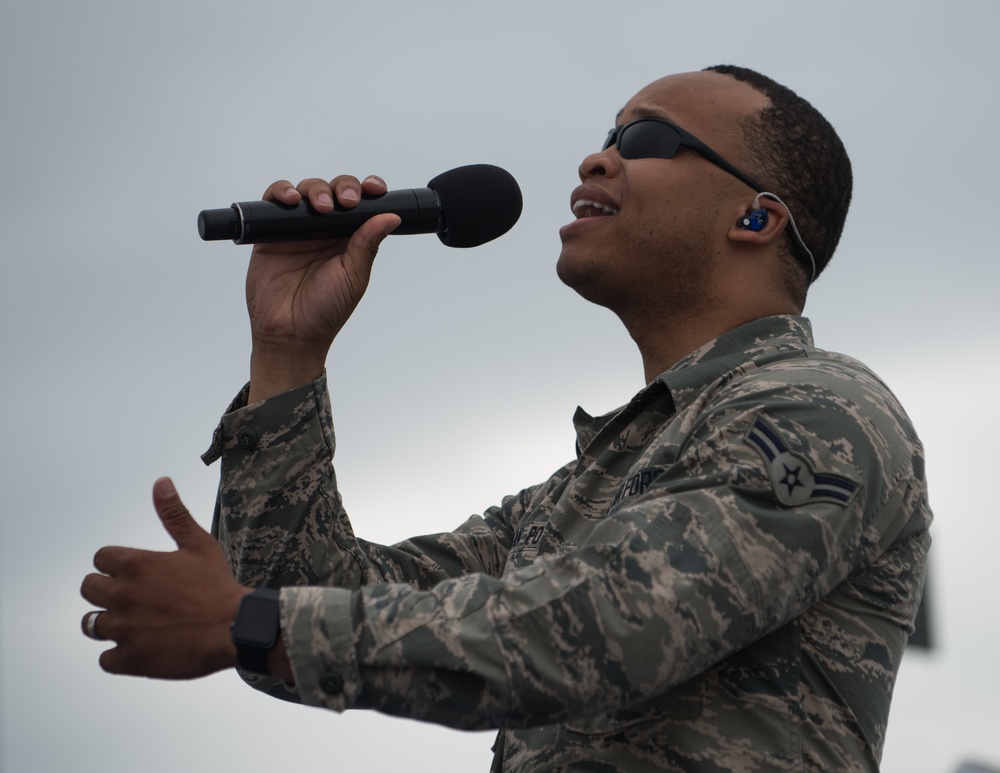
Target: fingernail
(165, 488)
(349, 195)
(325, 200)
(291, 192)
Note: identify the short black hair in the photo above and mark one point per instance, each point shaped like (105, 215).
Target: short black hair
(795, 151)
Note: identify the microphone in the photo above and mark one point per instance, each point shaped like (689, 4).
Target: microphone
(466, 207)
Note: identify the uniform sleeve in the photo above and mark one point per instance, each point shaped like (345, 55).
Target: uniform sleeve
(721, 549)
(280, 520)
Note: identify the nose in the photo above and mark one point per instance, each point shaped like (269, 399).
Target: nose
(606, 163)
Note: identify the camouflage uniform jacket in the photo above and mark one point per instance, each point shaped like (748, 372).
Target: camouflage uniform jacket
(723, 579)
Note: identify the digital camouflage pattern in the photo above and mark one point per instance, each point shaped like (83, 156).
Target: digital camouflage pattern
(724, 578)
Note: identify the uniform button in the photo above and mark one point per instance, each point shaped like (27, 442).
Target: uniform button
(332, 684)
(247, 439)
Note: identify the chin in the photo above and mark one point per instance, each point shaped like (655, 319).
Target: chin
(575, 272)
(590, 278)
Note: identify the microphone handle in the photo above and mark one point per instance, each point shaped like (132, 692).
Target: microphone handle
(261, 222)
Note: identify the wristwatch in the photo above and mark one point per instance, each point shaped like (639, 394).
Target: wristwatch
(255, 629)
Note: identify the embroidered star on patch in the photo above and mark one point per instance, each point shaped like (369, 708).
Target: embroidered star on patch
(793, 480)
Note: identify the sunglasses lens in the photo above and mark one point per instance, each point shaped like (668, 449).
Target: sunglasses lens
(649, 139)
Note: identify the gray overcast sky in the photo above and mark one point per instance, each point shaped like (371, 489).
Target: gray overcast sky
(455, 382)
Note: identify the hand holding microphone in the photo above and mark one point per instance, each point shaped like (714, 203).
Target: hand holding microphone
(314, 254)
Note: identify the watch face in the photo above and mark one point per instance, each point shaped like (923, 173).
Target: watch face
(256, 623)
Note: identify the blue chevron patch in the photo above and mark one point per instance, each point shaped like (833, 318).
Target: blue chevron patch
(792, 478)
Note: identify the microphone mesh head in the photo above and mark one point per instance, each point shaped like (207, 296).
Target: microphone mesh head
(479, 203)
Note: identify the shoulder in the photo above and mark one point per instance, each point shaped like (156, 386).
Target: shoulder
(824, 407)
(828, 391)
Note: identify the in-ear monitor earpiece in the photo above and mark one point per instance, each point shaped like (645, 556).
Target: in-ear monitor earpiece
(754, 220)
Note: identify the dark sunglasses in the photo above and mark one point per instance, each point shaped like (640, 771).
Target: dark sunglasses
(656, 138)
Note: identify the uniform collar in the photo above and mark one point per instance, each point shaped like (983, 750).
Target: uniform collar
(750, 343)
(746, 345)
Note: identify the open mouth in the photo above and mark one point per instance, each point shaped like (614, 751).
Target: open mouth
(588, 208)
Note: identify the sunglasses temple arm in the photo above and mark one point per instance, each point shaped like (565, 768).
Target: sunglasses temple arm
(720, 162)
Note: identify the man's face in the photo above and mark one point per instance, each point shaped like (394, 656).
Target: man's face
(649, 231)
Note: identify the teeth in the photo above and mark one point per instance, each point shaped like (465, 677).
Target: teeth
(588, 208)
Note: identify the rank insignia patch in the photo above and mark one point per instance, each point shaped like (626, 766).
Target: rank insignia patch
(793, 480)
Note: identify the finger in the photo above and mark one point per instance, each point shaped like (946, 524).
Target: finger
(113, 662)
(374, 185)
(175, 516)
(91, 625)
(98, 590)
(282, 191)
(112, 560)
(131, 659)
(319, 193)
(347, 189)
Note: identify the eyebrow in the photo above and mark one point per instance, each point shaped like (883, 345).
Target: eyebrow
(645, 111)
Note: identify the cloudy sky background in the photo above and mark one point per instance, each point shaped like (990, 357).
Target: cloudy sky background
(125, 336)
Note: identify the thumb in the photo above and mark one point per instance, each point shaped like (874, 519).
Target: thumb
(366, 240)
(175, 516)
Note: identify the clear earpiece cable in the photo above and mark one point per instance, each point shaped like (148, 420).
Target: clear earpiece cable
(795, 229)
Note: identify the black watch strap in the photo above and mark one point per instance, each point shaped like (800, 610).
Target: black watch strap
(256, 628)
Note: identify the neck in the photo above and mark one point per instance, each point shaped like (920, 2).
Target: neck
(663, 348)
(664, 342)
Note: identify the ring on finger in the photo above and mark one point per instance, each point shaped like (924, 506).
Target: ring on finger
(91, 625)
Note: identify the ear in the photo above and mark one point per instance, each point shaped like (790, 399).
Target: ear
(768, 232)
